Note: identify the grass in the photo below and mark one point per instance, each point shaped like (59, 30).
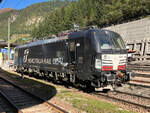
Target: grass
(78, 100)
(88, 104)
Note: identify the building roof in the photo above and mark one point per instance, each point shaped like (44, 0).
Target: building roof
(5, 44)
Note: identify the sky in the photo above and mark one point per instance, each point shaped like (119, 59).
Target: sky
(18, 4)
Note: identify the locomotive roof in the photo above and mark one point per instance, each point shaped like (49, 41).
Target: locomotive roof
(56, 39)
(39, 42)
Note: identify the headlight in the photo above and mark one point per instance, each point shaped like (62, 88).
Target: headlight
(98, 64)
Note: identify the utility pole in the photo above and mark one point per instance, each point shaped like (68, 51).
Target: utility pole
(8, 39)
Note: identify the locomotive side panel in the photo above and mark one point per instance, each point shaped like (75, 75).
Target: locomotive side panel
(88, 56)
(90, 53)
(48, 57)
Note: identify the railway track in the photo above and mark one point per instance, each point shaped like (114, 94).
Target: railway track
(138, 101)
(143, 75)
(22, 101)
(140, 80)
(5, 105)
(145, 68)
(138, 85)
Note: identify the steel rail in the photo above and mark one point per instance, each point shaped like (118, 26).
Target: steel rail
(15, 108)
(141, 81)
(131, 94)
(142, 75)
(140, 85)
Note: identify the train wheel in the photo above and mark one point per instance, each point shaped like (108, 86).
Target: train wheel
(89, 88)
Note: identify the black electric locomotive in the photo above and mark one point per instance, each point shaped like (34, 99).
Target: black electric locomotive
(93, 57)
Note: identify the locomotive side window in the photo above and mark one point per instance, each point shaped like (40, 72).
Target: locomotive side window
(16, 56)
(72, 52)
(117, 41)
(72, 46)
(16, 53)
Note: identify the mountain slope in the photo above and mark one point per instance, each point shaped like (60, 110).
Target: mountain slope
(22, 21)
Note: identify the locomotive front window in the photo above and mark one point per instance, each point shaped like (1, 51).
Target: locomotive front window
(103, 41)
(110, 41)
(117, 41)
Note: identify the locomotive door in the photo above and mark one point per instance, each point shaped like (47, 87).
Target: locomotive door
(72, 51)
(79, 55)
(76, 54)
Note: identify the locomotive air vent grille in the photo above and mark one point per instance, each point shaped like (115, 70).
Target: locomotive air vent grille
(107, 62)
(122, 62)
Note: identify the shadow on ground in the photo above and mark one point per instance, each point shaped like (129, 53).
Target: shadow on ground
(36, 87)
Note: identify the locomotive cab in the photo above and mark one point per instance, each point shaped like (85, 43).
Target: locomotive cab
(110, 58)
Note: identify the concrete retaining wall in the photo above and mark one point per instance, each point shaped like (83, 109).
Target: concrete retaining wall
(136, 34)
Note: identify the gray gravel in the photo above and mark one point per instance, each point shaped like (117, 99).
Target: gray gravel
(135, 90)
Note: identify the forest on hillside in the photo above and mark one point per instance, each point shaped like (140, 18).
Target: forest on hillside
(91, 12)
(23, 21)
